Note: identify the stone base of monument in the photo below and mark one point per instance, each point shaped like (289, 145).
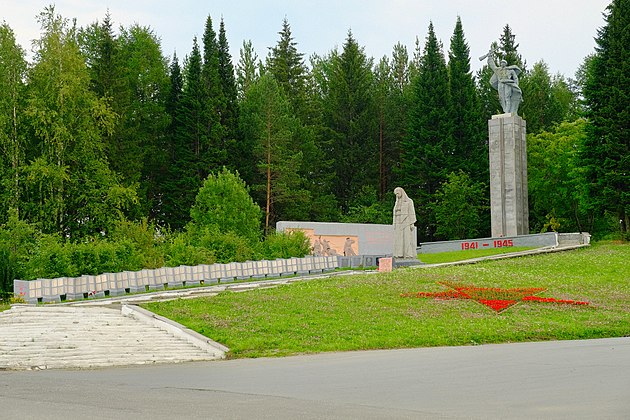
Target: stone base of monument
(406, 262)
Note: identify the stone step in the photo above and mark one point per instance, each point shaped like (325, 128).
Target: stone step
(47, 337)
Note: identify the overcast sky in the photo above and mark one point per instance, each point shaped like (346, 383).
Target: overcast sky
(560, 32)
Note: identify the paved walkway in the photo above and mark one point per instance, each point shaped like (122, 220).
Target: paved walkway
(551, 380)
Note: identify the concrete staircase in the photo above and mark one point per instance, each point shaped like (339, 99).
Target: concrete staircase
(49, 337)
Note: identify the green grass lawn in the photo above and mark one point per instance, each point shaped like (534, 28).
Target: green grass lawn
(4, 306)
(444, 257)
(367, 311)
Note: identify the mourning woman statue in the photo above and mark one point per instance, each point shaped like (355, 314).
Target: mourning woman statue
(505, 81)
(404, 231)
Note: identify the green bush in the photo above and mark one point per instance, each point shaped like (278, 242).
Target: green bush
(285, 245)
(224, 205)
(180, 251)
(228, 247)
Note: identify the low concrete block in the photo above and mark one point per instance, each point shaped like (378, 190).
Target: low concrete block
(74, 291)
(21, 289)
(261, 269)
(249, 269)
(332, 263)
(100, 283)
(116, 283)
(139, 281)
(534, 240)
(370, 260)
(51, 290)
(304, 265)
(356, 262)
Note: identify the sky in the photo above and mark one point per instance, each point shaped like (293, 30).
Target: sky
(560, 32)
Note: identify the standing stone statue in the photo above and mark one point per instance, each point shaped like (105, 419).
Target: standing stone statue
(505, 81)
(404, 231)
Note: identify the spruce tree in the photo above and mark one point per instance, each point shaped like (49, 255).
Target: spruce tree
(287, 66)
(426, 148)
(508, 49)
(173, 103)
(229, 109)
(351, 119)
(470, 152)
(184, 178)
(606, 150)
(396, 113)
(246, 69)
(213, 150)
(142, 133)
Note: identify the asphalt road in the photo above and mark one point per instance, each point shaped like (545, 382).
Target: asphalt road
(555, 380)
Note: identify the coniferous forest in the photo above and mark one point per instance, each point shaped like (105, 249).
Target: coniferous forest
(116, 155)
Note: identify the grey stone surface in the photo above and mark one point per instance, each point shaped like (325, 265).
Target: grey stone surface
(54, 336)
(539, 240)
(373, 239)
(404, 219)
(405, 262)
(508, 176)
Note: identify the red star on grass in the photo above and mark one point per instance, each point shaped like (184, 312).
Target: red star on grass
(494, 298)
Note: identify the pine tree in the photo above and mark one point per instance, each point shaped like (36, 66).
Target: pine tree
(606, 150)
(425, 150)
(396, 116)
(166, 187)
(268, 119)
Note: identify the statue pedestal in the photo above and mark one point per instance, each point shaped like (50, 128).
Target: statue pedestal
(508, 176)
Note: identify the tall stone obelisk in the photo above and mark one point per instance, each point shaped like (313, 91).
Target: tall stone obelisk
(508, 175)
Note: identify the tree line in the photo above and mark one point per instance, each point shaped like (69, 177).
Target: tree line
(102, 129)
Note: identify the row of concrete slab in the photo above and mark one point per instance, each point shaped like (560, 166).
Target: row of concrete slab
(117, 284)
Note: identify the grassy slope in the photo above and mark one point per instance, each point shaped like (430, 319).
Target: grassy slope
(443, 257)
(367, 311)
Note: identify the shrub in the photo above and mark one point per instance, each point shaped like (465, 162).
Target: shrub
(285, 245)
(224, 205)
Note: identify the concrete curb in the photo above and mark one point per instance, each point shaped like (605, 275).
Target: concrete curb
(204, 343)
